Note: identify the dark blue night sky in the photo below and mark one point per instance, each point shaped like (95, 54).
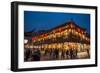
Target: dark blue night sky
(47, 20)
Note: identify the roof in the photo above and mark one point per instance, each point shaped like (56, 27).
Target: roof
(62, 25)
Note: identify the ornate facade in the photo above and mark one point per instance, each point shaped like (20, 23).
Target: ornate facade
(66, 36)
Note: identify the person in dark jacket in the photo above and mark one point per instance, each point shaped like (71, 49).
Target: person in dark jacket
(71, 53)
(27, 53)
(56, 52)
(67, 54)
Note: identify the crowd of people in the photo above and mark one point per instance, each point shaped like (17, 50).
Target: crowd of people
(36, 54)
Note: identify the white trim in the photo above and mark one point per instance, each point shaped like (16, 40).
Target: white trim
(22, 64)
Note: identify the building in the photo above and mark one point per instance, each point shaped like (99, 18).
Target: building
(66, 36)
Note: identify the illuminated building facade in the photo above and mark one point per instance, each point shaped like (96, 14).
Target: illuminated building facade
(66, 36)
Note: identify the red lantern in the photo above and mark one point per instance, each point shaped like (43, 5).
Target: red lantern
(34, 38)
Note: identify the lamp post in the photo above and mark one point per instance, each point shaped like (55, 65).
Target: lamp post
(25, 41)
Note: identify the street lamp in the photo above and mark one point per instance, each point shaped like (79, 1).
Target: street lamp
(25, 41)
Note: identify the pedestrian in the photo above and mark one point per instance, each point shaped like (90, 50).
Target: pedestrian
(88, 53)
(62, 54)
(67, 53)
(36, 55)
(71, 53)
(56, 52)
(27, 53)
